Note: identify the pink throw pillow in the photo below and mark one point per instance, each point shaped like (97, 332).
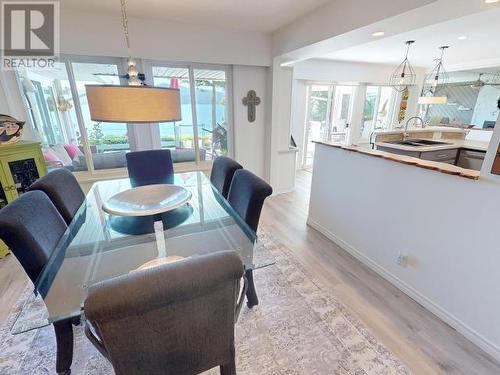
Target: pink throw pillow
(51, 157)
(72, 150)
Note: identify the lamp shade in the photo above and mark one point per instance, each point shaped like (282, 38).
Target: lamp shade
(433, 100)
(110, 103)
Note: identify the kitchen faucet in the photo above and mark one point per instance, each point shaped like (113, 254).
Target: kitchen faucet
(405, 133)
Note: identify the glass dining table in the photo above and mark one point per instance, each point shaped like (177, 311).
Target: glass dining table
(97, 246)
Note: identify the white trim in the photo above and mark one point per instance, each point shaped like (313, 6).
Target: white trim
(79, 116)
(194, 114)
(444, 315)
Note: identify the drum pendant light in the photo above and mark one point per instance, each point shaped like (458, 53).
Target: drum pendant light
(135, 103)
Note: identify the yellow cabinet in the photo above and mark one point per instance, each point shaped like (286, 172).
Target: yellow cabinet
(21, 164)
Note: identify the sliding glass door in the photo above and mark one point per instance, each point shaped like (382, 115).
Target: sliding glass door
(177, 136)
(51, 109)
(203, 132)
(108, 142)
(57, 104)
(319, 102)
(211, 112)
(329, 112)
(378, 111)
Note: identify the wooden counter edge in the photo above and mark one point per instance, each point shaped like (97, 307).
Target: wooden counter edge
(451, 170)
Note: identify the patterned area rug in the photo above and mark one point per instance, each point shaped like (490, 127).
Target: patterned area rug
(298, 328)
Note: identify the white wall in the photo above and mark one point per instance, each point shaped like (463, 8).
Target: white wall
(101, 34)
(249, 137)
(445, 224)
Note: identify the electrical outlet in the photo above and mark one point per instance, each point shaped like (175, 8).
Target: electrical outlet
(402, 259)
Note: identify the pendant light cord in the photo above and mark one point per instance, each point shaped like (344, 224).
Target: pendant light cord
(125, 23)
(408, 45)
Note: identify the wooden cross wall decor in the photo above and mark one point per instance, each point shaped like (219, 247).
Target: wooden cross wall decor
(251, 101)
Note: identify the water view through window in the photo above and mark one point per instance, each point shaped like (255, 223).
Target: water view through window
(211, 113)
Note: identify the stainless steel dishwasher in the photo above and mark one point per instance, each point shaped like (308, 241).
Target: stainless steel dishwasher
(471, 159)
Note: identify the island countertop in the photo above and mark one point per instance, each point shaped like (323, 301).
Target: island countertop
(409, 160)
(451, 144)
(435, 129)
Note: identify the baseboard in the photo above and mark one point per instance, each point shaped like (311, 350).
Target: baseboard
(475, 337)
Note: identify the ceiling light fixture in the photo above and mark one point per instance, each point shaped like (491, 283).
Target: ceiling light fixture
(437, 77)
(378, 33)
(491, 1)
(404, 75)
(429, 100)
(462, 37)
(135, 103)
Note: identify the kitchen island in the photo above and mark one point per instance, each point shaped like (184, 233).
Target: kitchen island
(435, 144)
(426, 227)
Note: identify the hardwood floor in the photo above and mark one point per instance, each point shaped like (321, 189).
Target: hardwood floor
(13, 280)
(422, 341)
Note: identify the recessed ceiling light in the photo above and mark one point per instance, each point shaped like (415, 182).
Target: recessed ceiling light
(378, 33)
(491, 1)
(463, 37)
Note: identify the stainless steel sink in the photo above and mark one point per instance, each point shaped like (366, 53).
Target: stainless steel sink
(419, 142)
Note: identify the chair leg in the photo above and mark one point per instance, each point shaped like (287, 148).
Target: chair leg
(228, 369)
(64, 339)
(252, 299)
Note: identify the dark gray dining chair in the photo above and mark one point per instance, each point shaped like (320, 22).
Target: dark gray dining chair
(176, 318)
(63, 189)
(150, 167)
(222, 173)
(246, 196)
(32, 227)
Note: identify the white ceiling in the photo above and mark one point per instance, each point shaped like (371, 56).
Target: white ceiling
(257, 15)
(482, 43)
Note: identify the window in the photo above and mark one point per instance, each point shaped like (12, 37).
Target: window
(329, 112)
(341, 112)
(177, 136)
(108, 141)
(206, 133)
(211, 112)
(319, 101)
(57, 103)
(51, 109)
(378, 110)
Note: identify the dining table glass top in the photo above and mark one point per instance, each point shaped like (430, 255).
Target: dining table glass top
(97, 246)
